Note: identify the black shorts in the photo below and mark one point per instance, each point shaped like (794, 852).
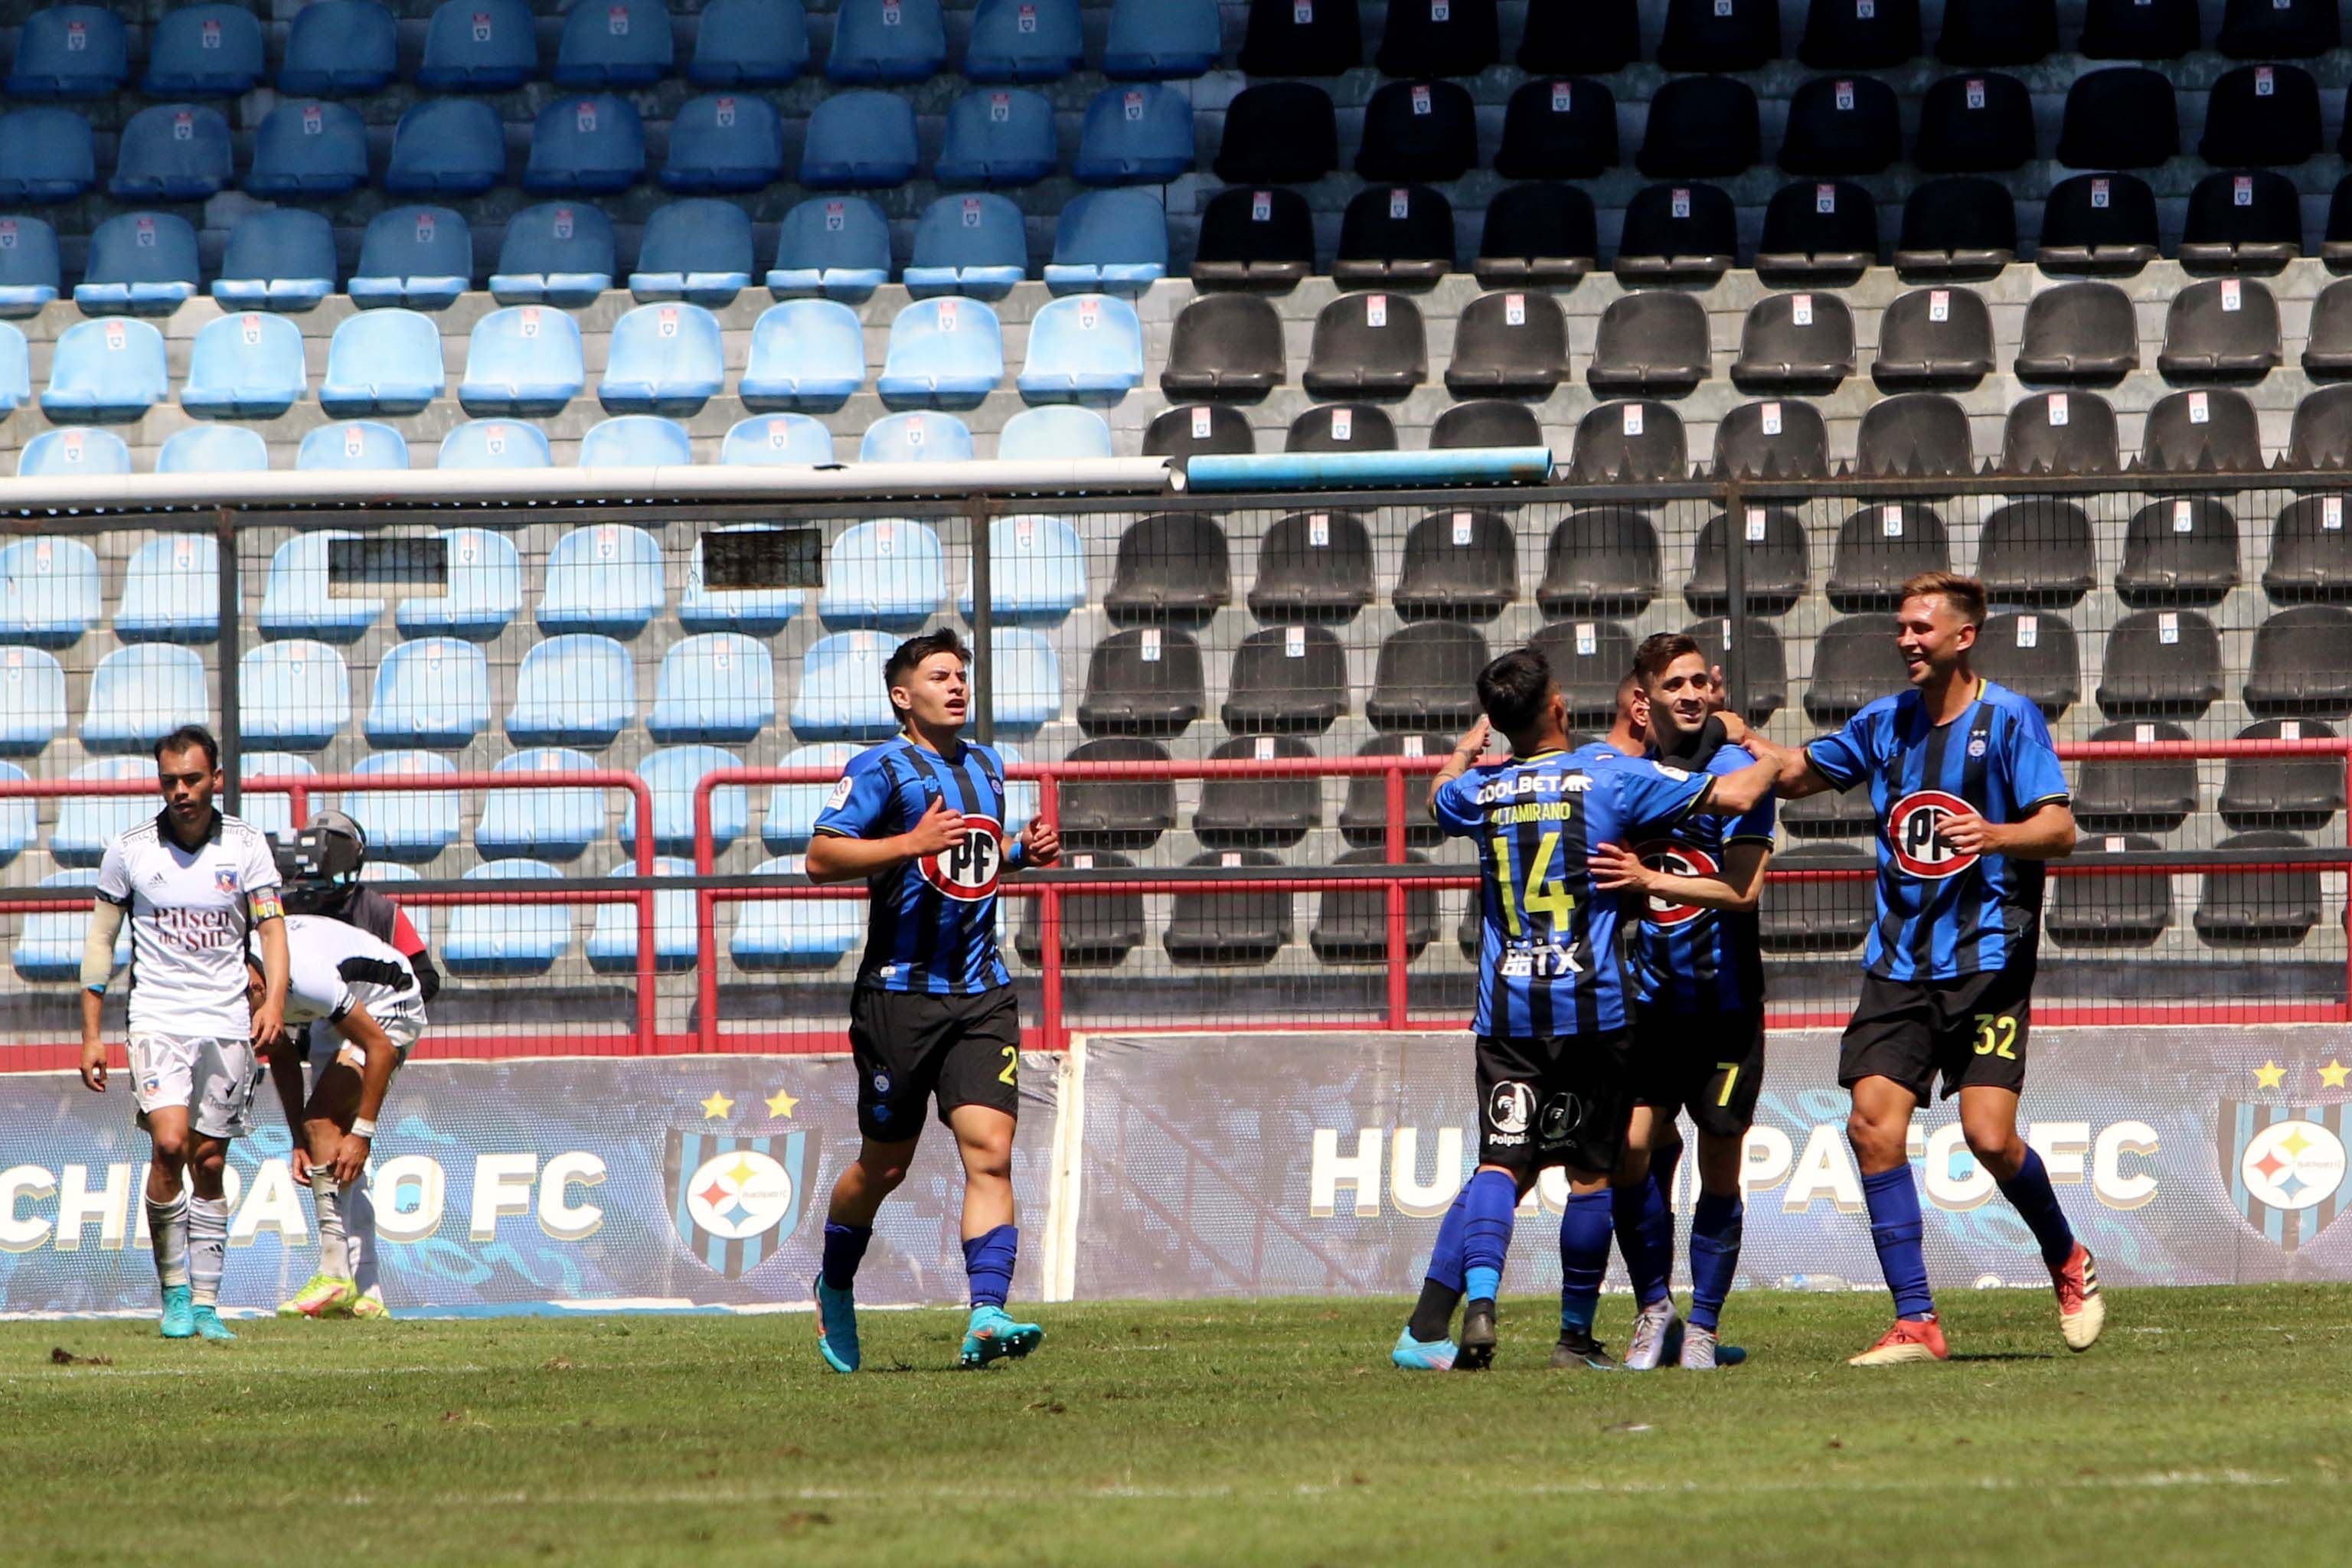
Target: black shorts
(1555, 1099)
(1710, 1064)
(1971, 1030)
(911, 1045)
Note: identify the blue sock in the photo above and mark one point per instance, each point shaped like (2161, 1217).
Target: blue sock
(988, 1258)
(845, 1248)
(1445, 1257)
(1715, 1254)
(2030, 1193)
(1487, 1232)
(1895, 1230)
(1584, 1229)
(1646, 1234)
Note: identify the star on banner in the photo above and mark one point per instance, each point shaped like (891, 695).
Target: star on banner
(2270, 1075)
(717, 1105)
(2334, 1074)
(781, 1103)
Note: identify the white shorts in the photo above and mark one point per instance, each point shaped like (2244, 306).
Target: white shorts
(213, 1079)
(328, 1045)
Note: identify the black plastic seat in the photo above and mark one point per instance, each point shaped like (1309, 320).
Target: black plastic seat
(2120, 118)
(1257, 814)
(1602, 561)
(1424, 676)
(2053, 432)
(1860, 35)
(1539, 235)
(1653, 342)
(1286, 680)
(1975, 124)
(1841, 125)
(1700, 128)
(1314, 566)
(1145, 681)
(1719, 35)
(1342, 428)
(2301, 666)
(2138, 30)
(1228, 930)
(1173, 569)
(1934, 340)
(1367, 345)
(2302, 795)
(1512, 343)
(1855, 664)
(2336, 240)
(2037, 553)
(1285, 38)
(2320, 434)
(2260, 116)
(2277, 29)
(2258, 908)
(1880, 547)
(1795, 342)
(1439, 37)
(1915, 435)
(2114, 911)
(2311, 560)
(1767, 661)
(1825, 230)
(1631, 442)
(1998, 32)
(1224, 345)
(1773, 545)
(1677, 234)
(1460, 563)
(1831, 813)
(1351, 926)
(2204, 432)
(1278, 133)
(2242, 220)
(1823, 917)
(2079, 334)
(1419, 131)
(1117, 814)
(1961, 226)
(2179, 552)
(1559, 128)
(1201, 429)
(1599, 36)
(2327, 352)
(1776, 438)
(2152, 795)
(2161, 664)
(1098, 930)
(2220, 329)
(1488, 422)
(1364, 813)
(1263, 237)
(2033, 654)
(1401, 234)
(1589, 660)
(2098, 222)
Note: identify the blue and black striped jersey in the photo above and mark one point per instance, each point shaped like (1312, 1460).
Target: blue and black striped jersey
(1688, 959)
(1943, 914)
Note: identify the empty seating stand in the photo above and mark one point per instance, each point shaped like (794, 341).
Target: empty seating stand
(1224, 345)
(1510, 343)
(1795, 342)
(1368, 344)
(2153, 795)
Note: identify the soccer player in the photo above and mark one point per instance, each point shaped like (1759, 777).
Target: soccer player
(195, 883)
(1698, 1036)
(933, 1014)
(1553, 1076)
(1970, 802)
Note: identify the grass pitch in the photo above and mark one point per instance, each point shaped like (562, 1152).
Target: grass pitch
(2210, 1425)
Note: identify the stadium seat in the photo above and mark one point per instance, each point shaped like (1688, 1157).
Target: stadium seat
(32, 702)
(2151, 794)
(558, 253)
(1342, 428)
(1775, 439)
(480, 46)
(2098, 222)
(577, 690)
(1508, 345)
(663, 358)
(1425, 679)
(1117, 814)
(862, 140)
(88, 823)
(1056, 433)
(1260, 237)
(943, 354)
(204, 51)
(2243, 222)
(786, 934)
(2300, 793)
(214, 449)
(2310, 561)
(1367, 344)
(73, 451)
(108, 370)
(141, 693)
(2277, 29)
(485, 590)
(1959, 227)
(2115, 912)
(2037, 553)
(1096, 932)
(2179, 553)
(1086, 348)
(1700, 127)
(432, 692)
(1173, 568)
(918, 437)
(1162, 39)
(1024, 40)
(2264, 116)
(1419, 131)
(383, 362)
(2161, 664)
(1286, 680)
(171, 589)
(724, 141)
(1489, 422)
(1278, 132)
(494, 444)
(293, 696)
(778, 440)
(1855, 664)
(270, 811)
(1915, 434)
(1826, 230)
(282, 258)
(2138, 30)
(31, 276)
(2336, 238)
(1651, 342)
(1841, 125)
(1459, 564)
(1977, 124)
(1364, 811)
(750, 43)
(49, 592)
(1543, 234)
(2033, 654)
(16, 371)
(1602, 37)
(508, 940)
(301, 600)
(337, 48)
(544, 825)
(244, 366)
(46, 155)
(2320, 435)
(2302, 665)
(447, 147)
(887, 573)
(1228, 928)
(804, 354)
(1772, 544)
(1135, 134)
(1211, 429)
(1934, 340)
(523, 359)
(70, 51)
(1395, 235)
(1879, 548)
(2202, 432)
(1563, 129)
(840, 696)
(49, 943)
(836, 246)
(353, 445)
(406, 826)
(420, 256)
(887, 41)
(1588, 659)
(997, 136)
(2258, 908)
(619, 43)
(1630, 442)
(1313, 567)
(1285, 38)
(307, 150)
(585, 145)
(1719, 35)
(613, 939)
(142, 263)
(1144, 680)
(755, 612)
(968, 245)
(1601, 561)
(2054, 433)
(635, 441)
(1860, 36)
(2327, 352)
(1109, 242)
(2120, 118)
(1676, 234)
(717, 687)
(1257, 812)
(606, 578)
(793, 808)
(1037, 572)
(1795, 342)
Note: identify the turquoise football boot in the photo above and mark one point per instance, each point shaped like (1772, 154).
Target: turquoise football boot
(993, 1336)
(210, 1327)
(179, 1312)
(1422, 1355)
(836, 1327)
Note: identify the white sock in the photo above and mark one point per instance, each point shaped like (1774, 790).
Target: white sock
(207, 1247)
(359, 1231)
(334, 1256)
(167, 1232)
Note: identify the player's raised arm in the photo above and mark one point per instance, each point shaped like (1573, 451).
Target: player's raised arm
(1739, 887)
(1467, 752)
(1795, 774)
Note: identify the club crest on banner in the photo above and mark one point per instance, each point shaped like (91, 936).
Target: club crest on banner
(733, 1201)
(2285, 1167)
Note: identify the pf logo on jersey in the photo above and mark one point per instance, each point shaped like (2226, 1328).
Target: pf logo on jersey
(1911, 825)
(1676, 860)
(968, 871)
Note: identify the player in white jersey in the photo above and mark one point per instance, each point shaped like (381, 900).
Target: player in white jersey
(195, 886)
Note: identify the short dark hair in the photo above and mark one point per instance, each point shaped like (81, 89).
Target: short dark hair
(1659, 651)
(910, 655)
(1514, 688)
(186, 737)
(1965, 595)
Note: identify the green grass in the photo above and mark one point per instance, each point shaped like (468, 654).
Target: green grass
(2210, 1425)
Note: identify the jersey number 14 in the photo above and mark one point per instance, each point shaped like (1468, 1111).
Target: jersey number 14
(1543, 894)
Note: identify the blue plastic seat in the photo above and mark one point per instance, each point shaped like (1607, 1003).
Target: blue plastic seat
(859, 141)
(300, 602)
(422, 257)
(612, 940)
(1109, 242)
(522, 360)
(202, 51)
(606, 577)
(1162, 38)
(485, 590)
(838, 246)
(70, 51)
(575, 690)
(337, 48)
(267, 810)
(921, 436)
(244, 366)
(778, 440)
(494, 444)
(171, 589)
(30, 273)
(724, 141)
(48, 591)
(141, 693)
(554, 824)
(383, 362)
(214, 449)
(558, 253)
(887, 573)
(88, 823)
(750, 43)
(1057, 433)
(1037, 570)
(794, 934)
(943, 354)
(496, 940)
(1024, 40)
(672, 774)
(968, 245)
(32, 700)
(48, 945)
(636, 441)
(434, 692)
(793, 809)
(282, 258)
(1137, 134)
(20, 823)
(106, 371)
(73, 452)
(15, 369)
(46, 155)
(143, 263)
(447, 147)
(663, 358)
(173, 153)
(1088, 348)
(1025, 690)
(997, 136)
(294, 696)
(888, 40)
(699, 250)
(405, 825)
(308, 148)
(805, 354)
(585, 144)
(755, 612)
(614, 43)
(717, 687)
(480, 46)
(353, 446)
(841, 696)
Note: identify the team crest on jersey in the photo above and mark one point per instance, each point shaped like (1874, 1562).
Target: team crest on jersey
(225, 881)
(1975, 745)
(1911, 825)
(2285, 1166)
(968, 871)
(1674, 859)
(734, 1200)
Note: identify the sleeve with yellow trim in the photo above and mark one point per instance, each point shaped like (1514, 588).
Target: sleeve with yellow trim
(859, 802)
